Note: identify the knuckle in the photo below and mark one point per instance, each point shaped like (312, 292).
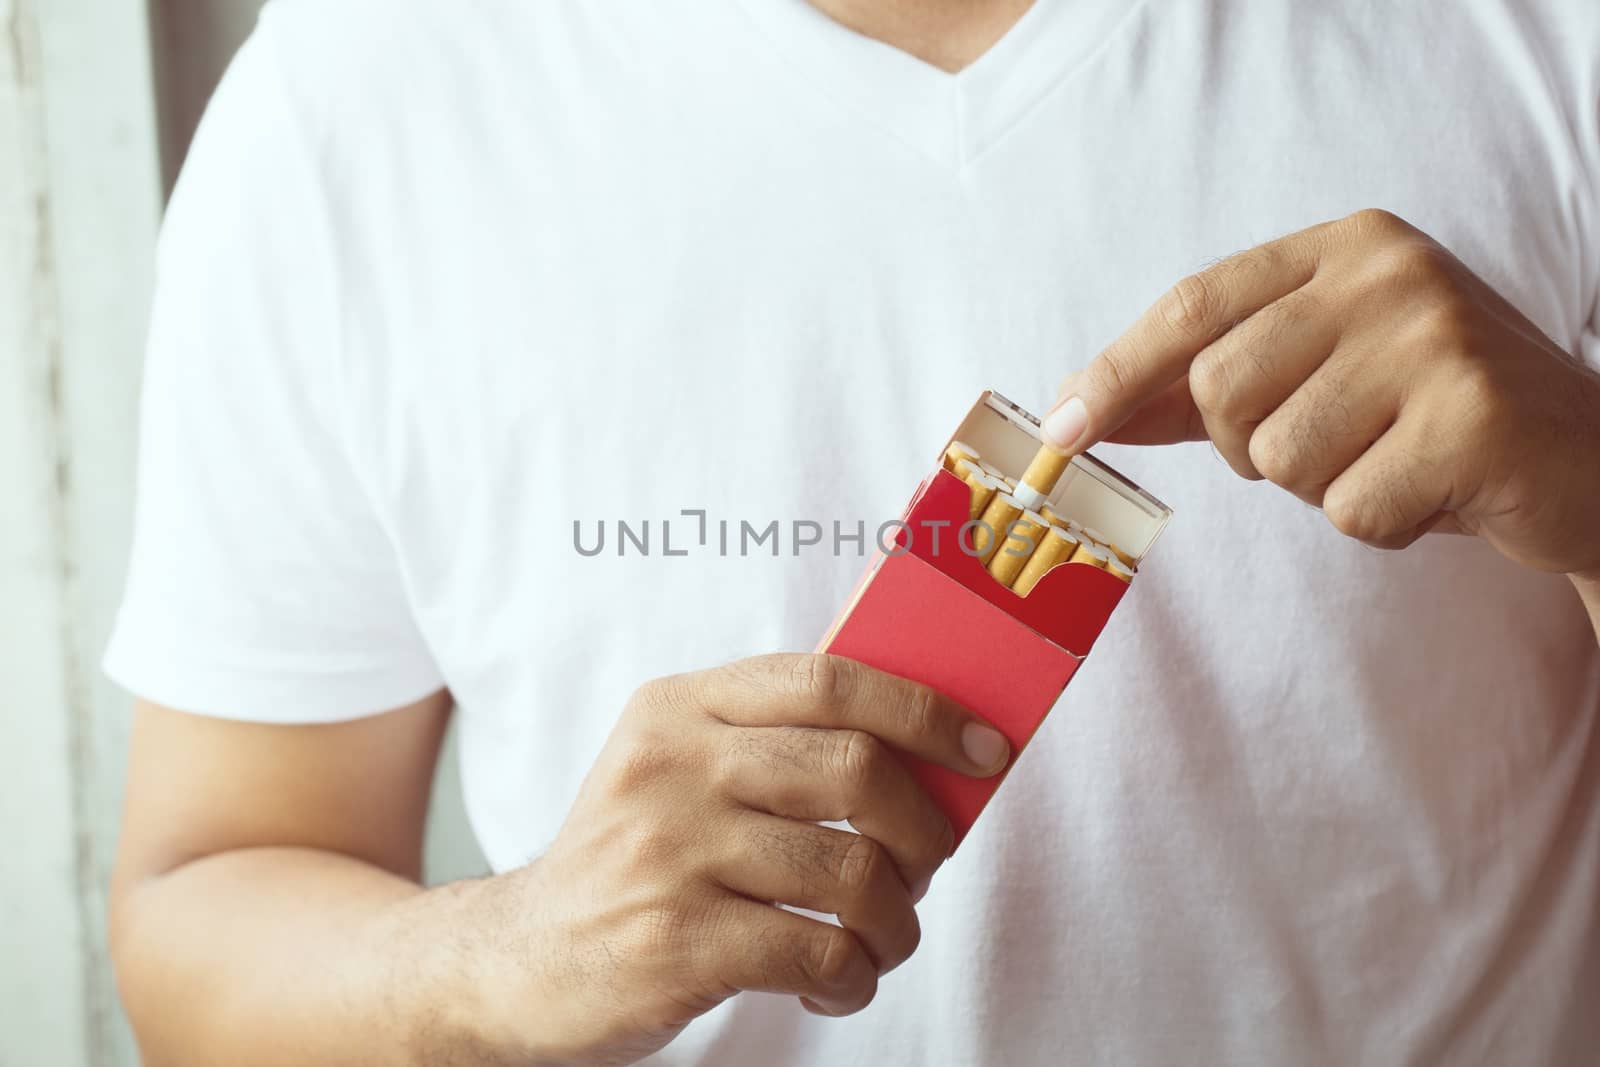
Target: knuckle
(1446, 323)
(1274, 456)
(654, 695)
(1414, 264)
(820, 679)
(647, 847)
(1210, 383)
(644, 759)
(859, 758)
(830, 960)
(1349, 514)
(1375, 222)
(1384, 527)
(1190, 308)
(860, 865)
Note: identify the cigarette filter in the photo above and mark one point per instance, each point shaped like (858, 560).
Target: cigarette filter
(990, 469)
(1057, 547)
(1039, 480)
(956, 451)
(983, 489)
(997, 518)
(1093, 555)
(1026, 534)
(1114, 566)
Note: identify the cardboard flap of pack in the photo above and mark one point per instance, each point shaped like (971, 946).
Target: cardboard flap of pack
(1091, 493)
(1070, 605)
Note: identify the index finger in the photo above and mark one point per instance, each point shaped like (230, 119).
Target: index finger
(1157, 349)
(832, 692)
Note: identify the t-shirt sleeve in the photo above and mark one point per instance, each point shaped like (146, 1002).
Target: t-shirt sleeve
(262, 583)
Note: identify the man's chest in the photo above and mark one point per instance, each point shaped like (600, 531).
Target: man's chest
(778, 321)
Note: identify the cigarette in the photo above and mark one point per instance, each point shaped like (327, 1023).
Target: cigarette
(962, 466)
(1025, 534)
(1122, 557)
(956, 451)
(1054, 516)
(990, 469)
(1114, 566)
(1092, 554)
(1057, 547)
(983, 489)
(1126, 561)
(997, 518)
(1039, 480)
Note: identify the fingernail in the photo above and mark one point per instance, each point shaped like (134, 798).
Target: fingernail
(984, 745)
(814, 1008)
(1066, 423)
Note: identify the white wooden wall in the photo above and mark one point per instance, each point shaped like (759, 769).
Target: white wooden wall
(80, 194)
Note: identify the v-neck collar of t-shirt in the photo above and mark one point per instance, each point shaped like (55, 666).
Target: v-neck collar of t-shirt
(951, 118)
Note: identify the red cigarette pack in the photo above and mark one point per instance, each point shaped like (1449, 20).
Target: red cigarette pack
(928, 610)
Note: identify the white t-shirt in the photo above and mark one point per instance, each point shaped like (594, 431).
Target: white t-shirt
(443, 280)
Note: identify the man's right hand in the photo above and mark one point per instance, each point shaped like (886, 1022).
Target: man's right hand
(658, 899)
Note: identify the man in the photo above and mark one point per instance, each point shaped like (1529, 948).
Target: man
(443, 280)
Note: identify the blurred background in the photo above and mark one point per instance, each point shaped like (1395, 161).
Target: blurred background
(98, 100)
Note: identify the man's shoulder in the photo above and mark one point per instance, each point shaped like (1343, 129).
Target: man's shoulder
(366, 59)
(379, 27)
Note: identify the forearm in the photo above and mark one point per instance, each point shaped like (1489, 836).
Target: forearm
(279, 956)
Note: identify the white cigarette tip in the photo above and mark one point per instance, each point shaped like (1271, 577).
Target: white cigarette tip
(1029, 497)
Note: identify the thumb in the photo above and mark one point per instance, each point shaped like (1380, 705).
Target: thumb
(1170, 417)
(1116, 386)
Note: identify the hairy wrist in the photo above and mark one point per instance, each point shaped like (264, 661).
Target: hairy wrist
(451, 993)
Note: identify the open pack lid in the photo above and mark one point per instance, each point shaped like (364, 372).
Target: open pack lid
(1090, 493)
